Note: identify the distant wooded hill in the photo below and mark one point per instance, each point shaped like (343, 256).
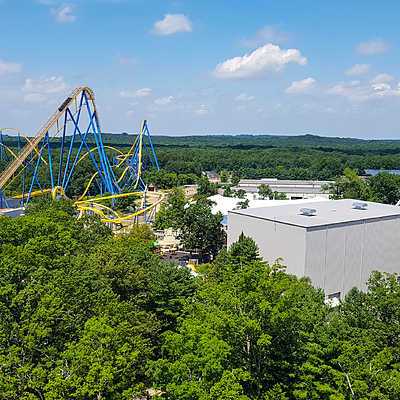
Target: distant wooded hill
(346, 145)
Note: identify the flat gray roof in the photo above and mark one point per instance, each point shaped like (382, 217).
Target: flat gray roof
(284, 189)
(272, 181)
(327, 213)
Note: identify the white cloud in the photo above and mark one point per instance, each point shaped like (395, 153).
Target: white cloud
(143, 92)
(54, 84)
(303, 86)
(372, 47)
(344, 89)
(267, 34)
(9, 67)
(162, 101)
(382, 78)
(136, 93)
(202, 110)
(381, 88)
(357, 92)
(172, 23)
(358, 69)
(244, 97)
(266, 58)
(64, 14)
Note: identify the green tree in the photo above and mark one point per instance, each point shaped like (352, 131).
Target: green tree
(162, 179)
(171, 212)
(205, 188)
(228, 192)
(243, 204)
(235, 178)
(244, 335)
(201, 230)
(385, 188)
(241, 194)
(265, 192)
(279, 196)
(349, 186)
(81, 311)
(244, 250)
(224, 176)
(354, 354)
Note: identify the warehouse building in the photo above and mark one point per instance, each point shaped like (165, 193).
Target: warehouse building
(336, 243)
(293, 189)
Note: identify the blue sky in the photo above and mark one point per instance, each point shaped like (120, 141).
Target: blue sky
(203, 66)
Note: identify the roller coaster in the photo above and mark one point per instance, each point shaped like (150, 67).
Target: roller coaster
(64, 150)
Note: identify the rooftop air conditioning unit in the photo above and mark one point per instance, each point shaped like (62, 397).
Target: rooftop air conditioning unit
(359, 205)
(309, 212)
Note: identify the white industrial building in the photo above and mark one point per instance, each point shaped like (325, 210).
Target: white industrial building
(294, 189)
(224, 204)
(336, 243)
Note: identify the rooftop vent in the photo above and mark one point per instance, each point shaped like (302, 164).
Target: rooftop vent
(309, 212)
(358, 205)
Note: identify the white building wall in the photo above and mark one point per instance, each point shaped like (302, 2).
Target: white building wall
(275, 240)
(382, 247)
(326, 257)
(353, 255)
(315, 264)
(335, 257)
(340, 257)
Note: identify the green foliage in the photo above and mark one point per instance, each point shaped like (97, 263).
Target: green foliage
(385, 188)
(81, 312)
(224, 176)
(245, 332)
(142, 233)
(254, 332)
(205, 188)
(246, 156)
(46, 204)
(243, 204)
(349, 186)
(290, 157)
(244, 250)
(164, 179)
(228, 192)
(382, 188)
(279, 196)
(201, 230)
(241, 194)
(235, 178)
(198, 228)
(265, 192)
(85, 315)
(172, 211)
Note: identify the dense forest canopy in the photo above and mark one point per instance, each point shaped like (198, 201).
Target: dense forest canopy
(296, 157)
(87, 315)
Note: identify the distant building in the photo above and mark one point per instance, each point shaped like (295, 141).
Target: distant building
(294, 189)
(167, 240)
(336, 243)
(189, 190)
(12, 212)
(212, 176)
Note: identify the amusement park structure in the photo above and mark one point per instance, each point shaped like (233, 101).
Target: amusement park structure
(48, 163)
